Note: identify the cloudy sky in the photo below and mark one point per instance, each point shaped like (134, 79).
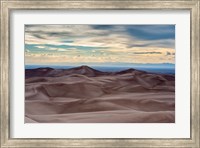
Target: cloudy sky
(99, 44)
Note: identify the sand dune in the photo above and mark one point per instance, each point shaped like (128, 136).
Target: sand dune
(85, 95)
(120, 116)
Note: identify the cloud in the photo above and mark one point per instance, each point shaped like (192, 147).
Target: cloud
(170, 53)
(40, 47)
(74, 34)
(152, 32)
(147, 52)
(100, 43)
(27, 51)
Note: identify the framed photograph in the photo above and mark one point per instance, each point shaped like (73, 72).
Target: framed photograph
(100, 73)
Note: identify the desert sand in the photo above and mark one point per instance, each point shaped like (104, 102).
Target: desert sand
(86, 95)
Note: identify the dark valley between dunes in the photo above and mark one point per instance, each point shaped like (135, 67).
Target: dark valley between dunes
(86, 95)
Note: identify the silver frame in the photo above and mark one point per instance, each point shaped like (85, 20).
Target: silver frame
(7, 6)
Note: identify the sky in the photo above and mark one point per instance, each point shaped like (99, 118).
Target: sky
(99, 44)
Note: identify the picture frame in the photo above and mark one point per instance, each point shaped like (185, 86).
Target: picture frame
(6, 8)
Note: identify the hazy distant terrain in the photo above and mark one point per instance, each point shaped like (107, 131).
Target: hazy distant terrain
(86, 95)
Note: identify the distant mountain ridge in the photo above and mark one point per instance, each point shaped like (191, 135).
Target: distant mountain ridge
(81, 70)
(50, 72)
